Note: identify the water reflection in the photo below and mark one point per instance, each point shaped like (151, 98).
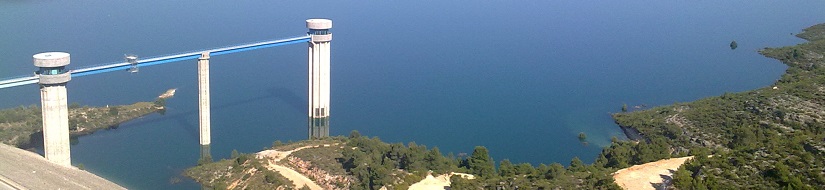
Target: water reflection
(205, 158)
(318, 127)
(206, 155)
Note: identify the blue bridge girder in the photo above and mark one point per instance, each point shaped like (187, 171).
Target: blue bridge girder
(24, 80)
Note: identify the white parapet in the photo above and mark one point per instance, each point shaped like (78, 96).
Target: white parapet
(203, 97)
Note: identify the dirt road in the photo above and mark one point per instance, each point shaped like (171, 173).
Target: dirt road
(440, 182)
(298, 179)
(644, 176)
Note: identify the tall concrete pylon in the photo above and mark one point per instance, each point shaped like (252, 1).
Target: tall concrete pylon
(53, 77)
(203, 97)
(319, 79)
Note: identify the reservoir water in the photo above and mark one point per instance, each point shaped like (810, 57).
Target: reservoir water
(521, 78)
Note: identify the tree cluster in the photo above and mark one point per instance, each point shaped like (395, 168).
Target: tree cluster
(376, 164)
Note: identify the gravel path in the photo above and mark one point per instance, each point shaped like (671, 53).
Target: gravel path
(644, 176)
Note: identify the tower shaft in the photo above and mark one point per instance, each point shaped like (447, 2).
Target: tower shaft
(55, 124)
(203, 100)
(319, 77)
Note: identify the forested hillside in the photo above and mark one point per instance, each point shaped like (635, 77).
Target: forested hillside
(769, 138)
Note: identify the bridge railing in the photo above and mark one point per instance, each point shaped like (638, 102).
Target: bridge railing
(14, 78)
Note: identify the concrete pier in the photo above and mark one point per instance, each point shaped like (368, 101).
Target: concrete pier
(319, 80)
(53, 77)
(203, 97)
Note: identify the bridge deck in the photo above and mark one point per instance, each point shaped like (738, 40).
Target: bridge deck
(24, 80)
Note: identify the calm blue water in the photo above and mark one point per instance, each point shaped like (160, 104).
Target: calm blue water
(522, 79)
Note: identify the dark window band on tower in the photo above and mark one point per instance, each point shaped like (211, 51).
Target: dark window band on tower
(51, 70)
(318, 32)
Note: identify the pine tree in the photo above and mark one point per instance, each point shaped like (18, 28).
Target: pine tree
(505, 168)
(480, 163)
(234, 154)
(682, 178)
(556, 170)
(577, 165)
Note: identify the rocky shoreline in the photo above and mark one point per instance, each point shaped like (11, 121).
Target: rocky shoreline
(631, 133)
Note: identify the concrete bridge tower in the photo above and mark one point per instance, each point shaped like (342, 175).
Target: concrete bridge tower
(204, 106)
(53, 78)
(319, 77)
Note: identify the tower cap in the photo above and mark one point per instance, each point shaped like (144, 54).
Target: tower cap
(319, 24)
(51, 59)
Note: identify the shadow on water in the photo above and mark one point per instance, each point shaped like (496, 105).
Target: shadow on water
(205, 155)
(283, 94)
(290, 98)
(36, 143)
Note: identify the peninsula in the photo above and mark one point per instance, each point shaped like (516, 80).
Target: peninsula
(22, 126)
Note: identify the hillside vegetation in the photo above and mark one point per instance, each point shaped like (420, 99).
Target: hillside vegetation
(768, 138)
(360, 162)
(241, 171)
